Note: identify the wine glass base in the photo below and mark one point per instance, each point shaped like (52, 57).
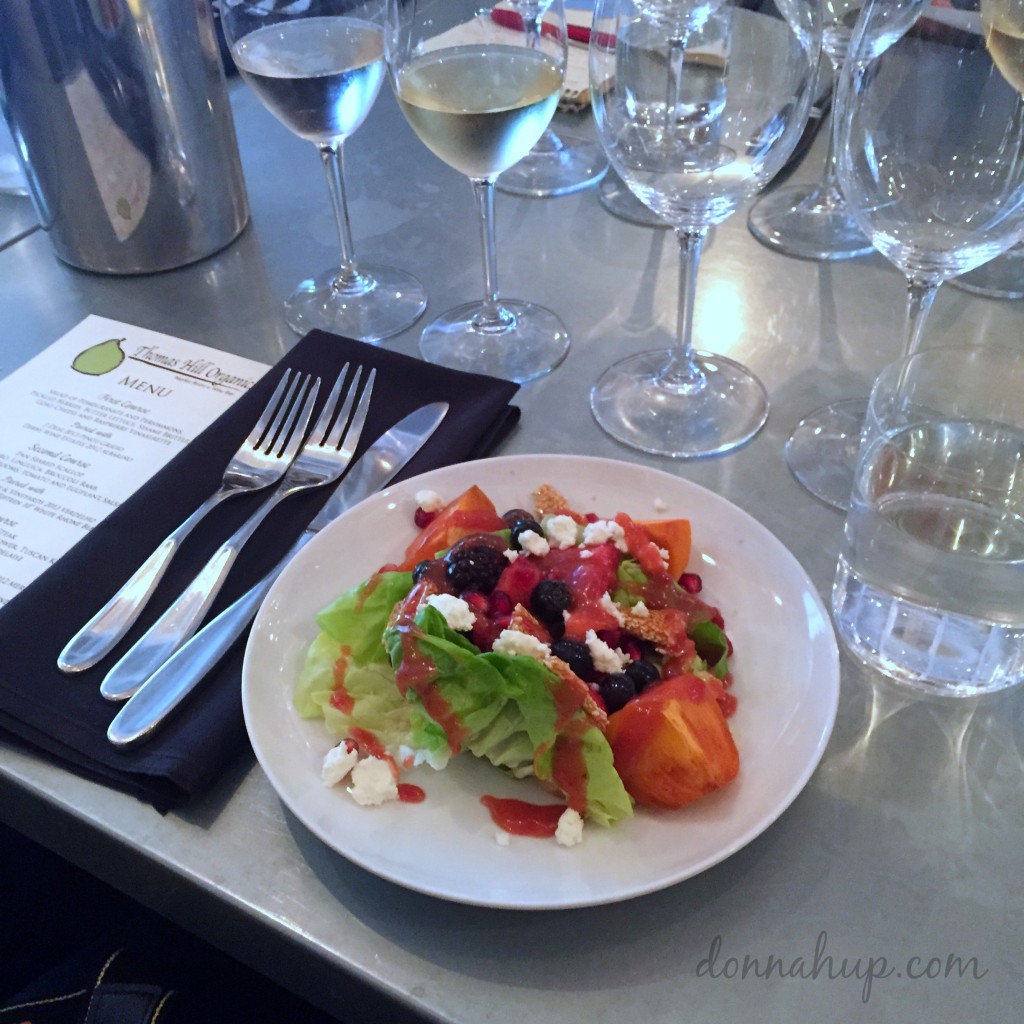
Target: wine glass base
(822, 451)
(630, 404)
(532, 344)
(801, 220)
(388, 302)
(560, 165)
(615, 196)
(1001, 278)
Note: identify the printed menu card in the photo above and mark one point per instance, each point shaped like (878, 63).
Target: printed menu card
(87, 421)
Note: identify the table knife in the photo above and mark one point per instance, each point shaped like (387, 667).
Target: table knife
(163, 691)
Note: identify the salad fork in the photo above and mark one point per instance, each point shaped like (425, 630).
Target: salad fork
(260, 461)
(323, 458)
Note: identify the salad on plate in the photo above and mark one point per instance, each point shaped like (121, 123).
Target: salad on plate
(558, 645)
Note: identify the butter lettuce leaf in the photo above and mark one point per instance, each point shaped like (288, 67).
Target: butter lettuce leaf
(499, 707)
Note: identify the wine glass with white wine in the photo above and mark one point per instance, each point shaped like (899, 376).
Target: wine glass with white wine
(1003, 23)
(479, 92)
(317, 66)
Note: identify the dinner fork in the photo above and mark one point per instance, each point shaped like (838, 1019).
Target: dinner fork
(322, 459)
(260, 461)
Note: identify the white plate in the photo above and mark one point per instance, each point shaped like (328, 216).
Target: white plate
(786, 672)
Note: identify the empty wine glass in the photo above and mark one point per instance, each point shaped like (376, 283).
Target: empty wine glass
(1001, 278)
(560, 163)
(931, 162)
(812, 221)
(317, 66)
(698, 108)
(479, 93)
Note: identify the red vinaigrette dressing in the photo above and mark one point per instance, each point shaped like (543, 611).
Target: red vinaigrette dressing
(521, 818)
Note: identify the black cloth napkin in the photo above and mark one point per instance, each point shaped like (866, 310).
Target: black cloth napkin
(64, 716)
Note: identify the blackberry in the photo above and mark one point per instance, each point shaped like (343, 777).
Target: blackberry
(577, 656)
(548, 600)
(643, 673)
(617, 690)
(474, 567)
(520, 526)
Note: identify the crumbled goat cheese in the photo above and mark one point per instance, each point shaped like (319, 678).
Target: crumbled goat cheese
(429, 501)
(604, 530)
(586, 553)
(510, 554)
(373, 782)
(660, 505)
(502, 838)
(338, 762)
(612, 608)
(606, 659)
(569, 830)
(534, 543)
(560, 531)
(511, 641)
(664, 555)
(640, 609)
(456, 612)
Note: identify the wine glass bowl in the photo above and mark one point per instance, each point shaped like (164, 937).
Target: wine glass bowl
(812, 221)
(479, 93)
(318, 68)
(698, 107)
(931, 163)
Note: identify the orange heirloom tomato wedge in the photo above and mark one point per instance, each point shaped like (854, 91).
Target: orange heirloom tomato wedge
(672, 744)
(471, 512)
(673, 536)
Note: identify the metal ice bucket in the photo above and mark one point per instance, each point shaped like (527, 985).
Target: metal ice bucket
(120, 112)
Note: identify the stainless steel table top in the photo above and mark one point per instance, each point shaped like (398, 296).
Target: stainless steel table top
(905, 845)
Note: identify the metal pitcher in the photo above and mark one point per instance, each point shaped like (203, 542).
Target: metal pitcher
(120, 112)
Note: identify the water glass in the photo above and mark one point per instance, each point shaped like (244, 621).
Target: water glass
(929, 588)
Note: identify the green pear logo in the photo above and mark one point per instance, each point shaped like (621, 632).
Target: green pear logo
(100, 358)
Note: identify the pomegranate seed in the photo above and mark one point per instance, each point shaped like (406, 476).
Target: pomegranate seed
(631, 646)
(727, 702)
(501, 604)
(591, 517)
(423, 518)
(477, 601)
(612, 637)
(691, 582)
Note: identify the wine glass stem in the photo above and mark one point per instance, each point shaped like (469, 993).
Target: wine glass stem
(829, 188)
(920, 296)
(683, 373)
(491, 315)
(331, 155)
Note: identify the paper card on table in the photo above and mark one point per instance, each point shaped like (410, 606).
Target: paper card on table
(90, 419)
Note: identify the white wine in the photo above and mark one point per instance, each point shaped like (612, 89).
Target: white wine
(1004, 36)
(318, 76)
(480, 108)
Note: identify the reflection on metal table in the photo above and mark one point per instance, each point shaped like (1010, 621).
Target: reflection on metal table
(890, 889)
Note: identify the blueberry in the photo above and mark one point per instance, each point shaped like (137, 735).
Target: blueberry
(577, 656)
(474, 567)
(519, 527)
(513, 515)
(643, 673)
(617, 690)
(548, 600)
(420, 569)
